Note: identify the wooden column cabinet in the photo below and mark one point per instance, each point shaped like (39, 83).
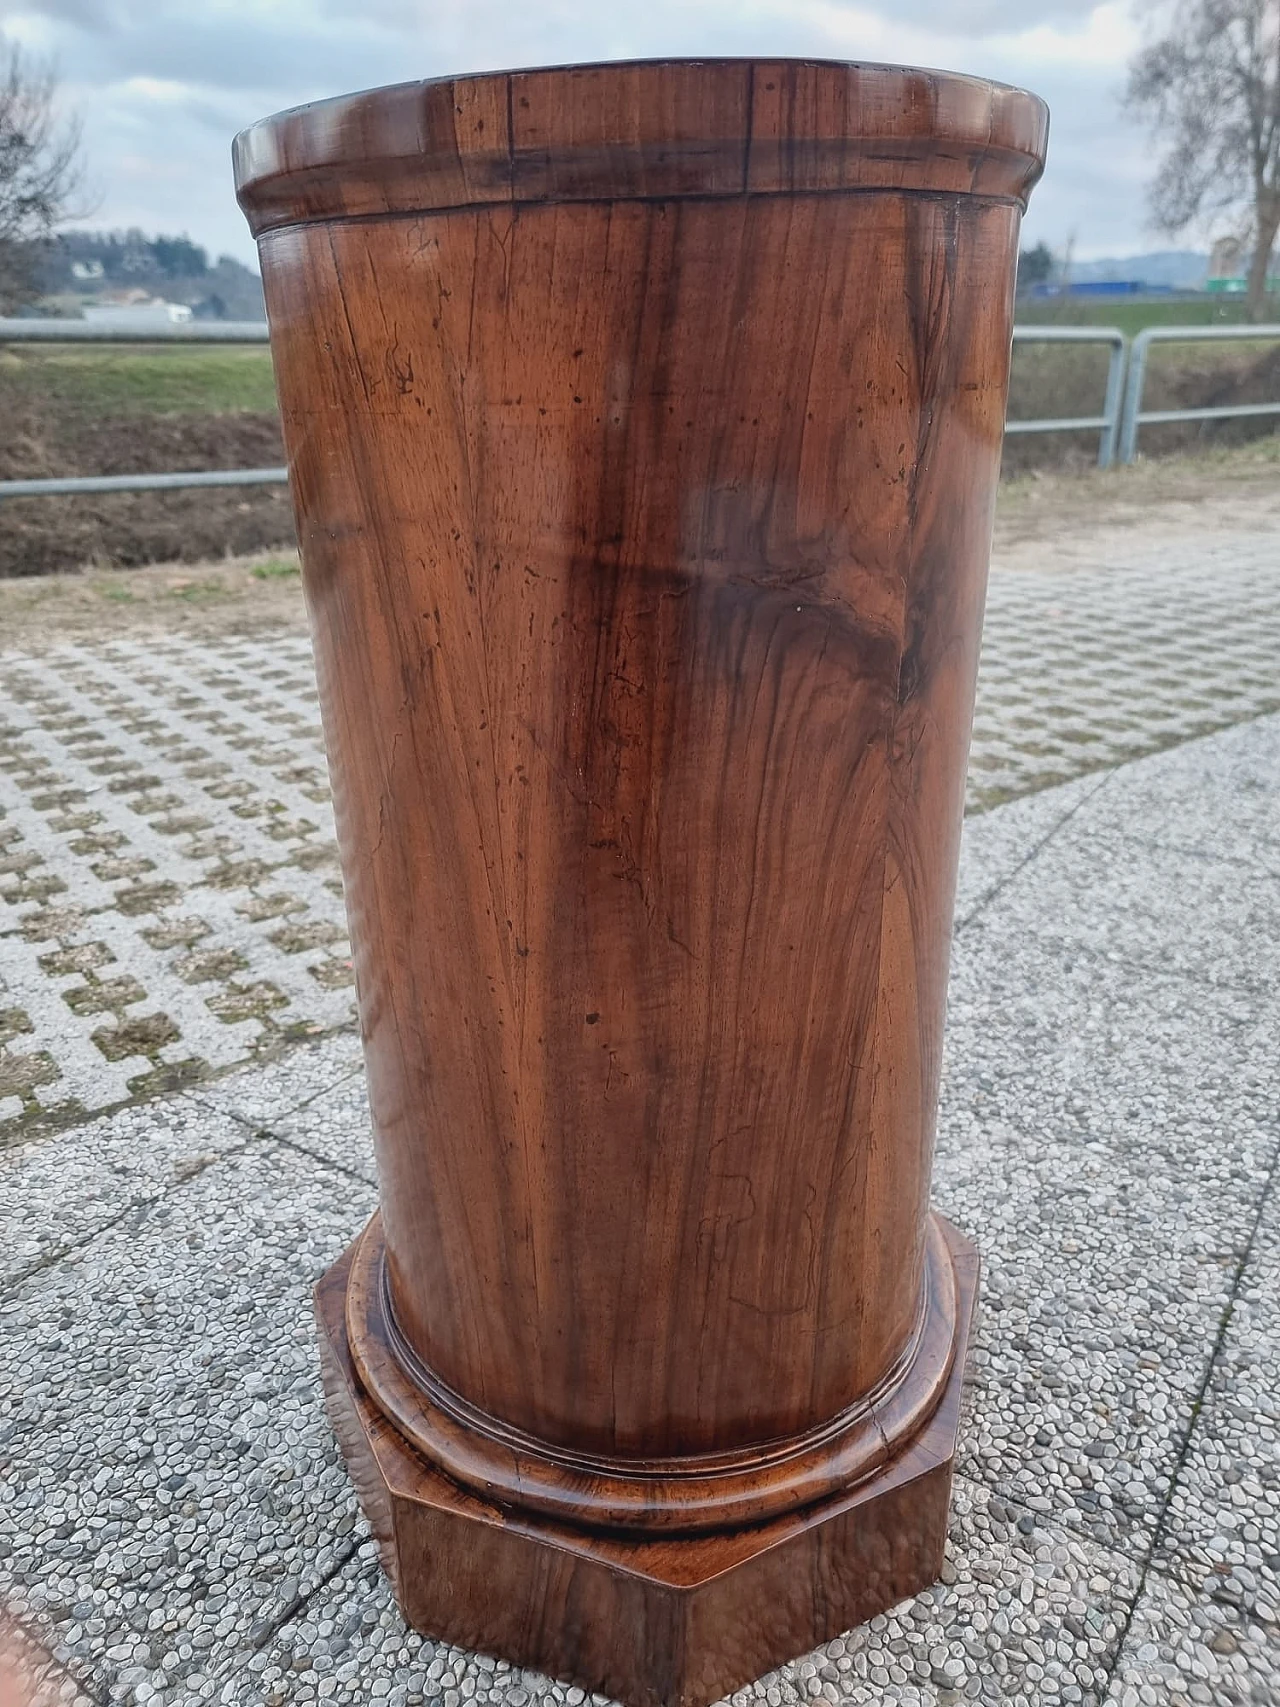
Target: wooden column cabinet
(643, 425)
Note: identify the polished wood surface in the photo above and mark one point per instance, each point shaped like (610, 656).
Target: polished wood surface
(645, 502)
(675, 1495)
(659, 128)
(646, 630)
(658, 1622)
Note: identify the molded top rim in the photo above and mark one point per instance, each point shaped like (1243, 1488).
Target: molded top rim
(640, 129)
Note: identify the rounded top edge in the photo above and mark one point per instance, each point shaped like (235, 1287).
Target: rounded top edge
(640, 129)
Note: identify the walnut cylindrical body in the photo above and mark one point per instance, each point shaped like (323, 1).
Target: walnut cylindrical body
(644, 501)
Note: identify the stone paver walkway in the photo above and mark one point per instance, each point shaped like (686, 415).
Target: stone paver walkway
(175, 1521)
(187, 1148)
(1085, 666)
(170, 903)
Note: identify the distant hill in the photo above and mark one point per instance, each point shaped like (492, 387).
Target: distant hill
(81, 267)
(1182, 269)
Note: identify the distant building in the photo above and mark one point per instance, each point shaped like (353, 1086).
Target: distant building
(1101, 288)
(1229, 262)
(151, 313)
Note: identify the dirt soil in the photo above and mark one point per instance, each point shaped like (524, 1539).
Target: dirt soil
(234, 595)
(1043, 521)
(135, 414)
(41, 536)
(1055, 518)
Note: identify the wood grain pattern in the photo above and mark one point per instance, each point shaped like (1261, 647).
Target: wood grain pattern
(646, 631)
(657, 1622)
(674, 1495)
(644, 454)
(651, 128)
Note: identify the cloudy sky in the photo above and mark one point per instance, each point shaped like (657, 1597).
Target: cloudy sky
(162, 85)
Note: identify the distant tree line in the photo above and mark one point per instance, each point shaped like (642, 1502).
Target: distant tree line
(121, 258)
(1035, 266)
(89, 263)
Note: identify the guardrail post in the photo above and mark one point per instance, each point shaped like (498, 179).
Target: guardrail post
(1111, 403)
(1107, 423)
(1133, 395)
(1134, 416)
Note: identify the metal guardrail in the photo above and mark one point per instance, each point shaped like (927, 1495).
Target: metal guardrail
(97, 332)
(1117, 425)
(181, 332)
(1107, 424)
(142, 482)
(1134, 416)
(255, 332)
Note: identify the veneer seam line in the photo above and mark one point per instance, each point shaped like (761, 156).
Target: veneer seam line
(510, 204)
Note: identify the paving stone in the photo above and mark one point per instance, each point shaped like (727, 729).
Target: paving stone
(29, 1675)
(173, 1517)
(264, 1093)
(162, 793)
(995, 845)
(1092, 664)
(170, 1484)
(1222, 1529)
(335, 1126)
(1175, 800)
(1042, 1034)
(57, 1193)
(1090, 1348)
(1183, 1650)
(1157, 909)
(1105, 1133)
(176, 723)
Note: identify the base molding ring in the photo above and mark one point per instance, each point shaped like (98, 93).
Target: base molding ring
(673, 1496)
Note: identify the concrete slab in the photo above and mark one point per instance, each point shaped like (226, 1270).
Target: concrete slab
(171, 1485)
(1184, 1650)
(58, 1196)
(1221, 1529)
(336, 1127)
(263, 1094)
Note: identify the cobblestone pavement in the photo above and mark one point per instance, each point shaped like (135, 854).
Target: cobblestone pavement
(176, 1526)
(171, 897)
(170, 903)
(1089, 664)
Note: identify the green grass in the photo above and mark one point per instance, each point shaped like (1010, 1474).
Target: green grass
(195, 592)
(142, 380)
(274, 569)
(178, 380)
(1133, 317)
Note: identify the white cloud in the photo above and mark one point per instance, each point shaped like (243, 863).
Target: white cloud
(164, 84)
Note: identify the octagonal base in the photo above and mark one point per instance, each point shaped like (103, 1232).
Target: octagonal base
(672, 1622)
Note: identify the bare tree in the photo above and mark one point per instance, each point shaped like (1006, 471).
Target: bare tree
(1211, 89)
(40, 169)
